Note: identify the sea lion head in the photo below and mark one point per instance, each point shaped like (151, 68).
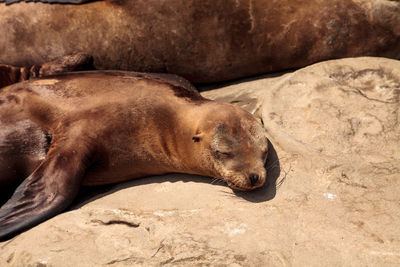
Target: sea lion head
(237, 146)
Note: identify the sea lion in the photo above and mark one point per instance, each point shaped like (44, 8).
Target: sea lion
(203, 41)
(95, 128)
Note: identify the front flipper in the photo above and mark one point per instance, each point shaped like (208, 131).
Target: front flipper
(76, 2)
(69, 63)
(49, 190)
(74, 62)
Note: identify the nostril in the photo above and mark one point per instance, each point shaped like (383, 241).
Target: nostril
(253, 178)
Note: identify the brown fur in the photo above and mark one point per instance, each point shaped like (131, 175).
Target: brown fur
(203, 41)
(109, 127)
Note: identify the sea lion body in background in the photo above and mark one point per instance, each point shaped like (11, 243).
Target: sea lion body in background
(96, 128)
(203, 41)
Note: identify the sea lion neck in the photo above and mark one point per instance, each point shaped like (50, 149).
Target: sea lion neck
(191, 139)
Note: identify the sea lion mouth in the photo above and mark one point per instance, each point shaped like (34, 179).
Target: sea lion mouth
(237, 187)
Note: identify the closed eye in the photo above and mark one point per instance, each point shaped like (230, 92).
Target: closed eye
(223, 153)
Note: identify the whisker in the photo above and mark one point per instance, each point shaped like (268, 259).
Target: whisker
(279, 184)
(217, 181)
(272, 165)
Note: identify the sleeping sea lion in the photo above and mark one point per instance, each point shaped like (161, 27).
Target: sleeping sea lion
(93, 128)
(203, 41)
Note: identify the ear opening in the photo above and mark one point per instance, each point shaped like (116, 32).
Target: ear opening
(197, 138)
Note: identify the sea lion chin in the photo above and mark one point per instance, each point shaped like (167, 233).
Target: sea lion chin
(102, 127)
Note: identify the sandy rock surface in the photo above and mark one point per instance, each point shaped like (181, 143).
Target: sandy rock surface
(333, 199)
